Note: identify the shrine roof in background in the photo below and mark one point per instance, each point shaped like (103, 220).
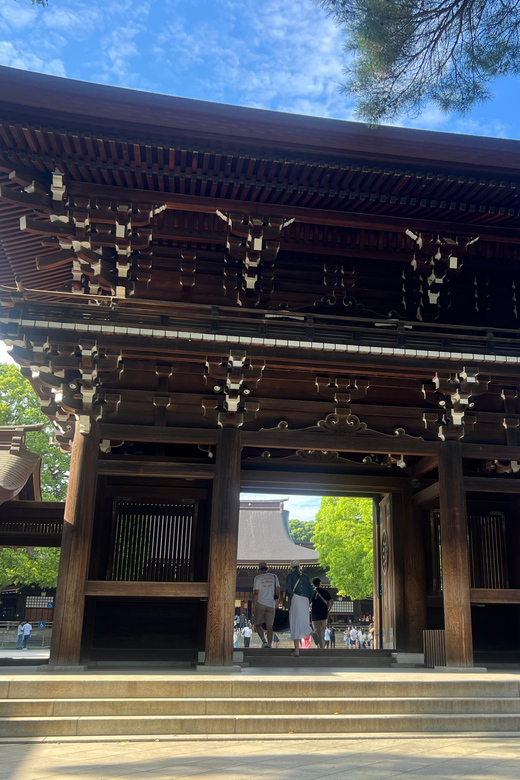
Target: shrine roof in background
(263, 535)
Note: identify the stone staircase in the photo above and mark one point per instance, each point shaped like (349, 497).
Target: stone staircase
(337, 658)
(178, 705)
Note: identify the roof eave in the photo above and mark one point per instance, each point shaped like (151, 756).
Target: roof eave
(114, 106)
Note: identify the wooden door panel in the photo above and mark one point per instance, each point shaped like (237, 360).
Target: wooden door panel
(387, 574)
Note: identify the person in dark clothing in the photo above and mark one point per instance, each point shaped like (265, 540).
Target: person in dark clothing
(321, 604)
(332, 637)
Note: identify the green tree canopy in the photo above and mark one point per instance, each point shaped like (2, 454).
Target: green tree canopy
(19, 406)
(29, 567)
(343, 539)
(301, 530)
(406, 53)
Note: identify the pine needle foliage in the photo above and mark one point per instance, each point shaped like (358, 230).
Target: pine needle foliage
(404, 54)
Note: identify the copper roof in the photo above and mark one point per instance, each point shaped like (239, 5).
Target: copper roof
(263, 535)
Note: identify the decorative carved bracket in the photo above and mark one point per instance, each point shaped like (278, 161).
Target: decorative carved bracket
(435, 256)
(350, 426)
(339, 279)
(511, 425)
(253, 243)
(342, 390)
(454, 394)
(67, 378)
(108, 243)
(233, 379)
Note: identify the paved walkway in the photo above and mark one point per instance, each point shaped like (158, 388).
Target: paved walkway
(351, 759)
(31, 652)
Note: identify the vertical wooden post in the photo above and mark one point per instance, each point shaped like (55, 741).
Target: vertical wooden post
(225, 507)
(414, 575)
(75, 548)
(455, 558)
(399, 527)
(376, 541)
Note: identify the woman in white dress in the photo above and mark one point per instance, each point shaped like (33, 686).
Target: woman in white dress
(300, 591)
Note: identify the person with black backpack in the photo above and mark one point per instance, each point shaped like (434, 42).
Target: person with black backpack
(321, 604)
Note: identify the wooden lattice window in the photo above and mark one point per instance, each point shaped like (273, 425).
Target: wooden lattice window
(153, 542)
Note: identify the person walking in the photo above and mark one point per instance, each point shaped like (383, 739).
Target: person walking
(299, 589)
(321, 604)
(247, 633)
(354, 637)
(19, 635)
(266, 594)
(27, 628)
(327, 638)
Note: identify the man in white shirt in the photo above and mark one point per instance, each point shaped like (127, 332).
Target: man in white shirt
(266, 592)
(247, 633)
(27, 628)
(353, 637)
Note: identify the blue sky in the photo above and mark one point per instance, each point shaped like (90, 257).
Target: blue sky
(300, 507)
(271, 54)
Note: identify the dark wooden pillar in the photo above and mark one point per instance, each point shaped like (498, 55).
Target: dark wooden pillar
(414, 575)
(400, 527)
(455, 558)
(225, 507)
(75, 548)
(376, 533)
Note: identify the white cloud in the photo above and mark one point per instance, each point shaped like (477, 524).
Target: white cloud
(261, 53)
(118, 49)
(17, 15)
(18, 57)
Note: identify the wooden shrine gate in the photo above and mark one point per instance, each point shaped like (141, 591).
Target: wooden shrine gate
(210, 297)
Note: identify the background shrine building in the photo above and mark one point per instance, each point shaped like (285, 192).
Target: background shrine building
(209, 298)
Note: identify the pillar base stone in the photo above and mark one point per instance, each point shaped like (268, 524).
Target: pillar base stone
(230, 669)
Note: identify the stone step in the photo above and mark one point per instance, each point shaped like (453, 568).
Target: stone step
(247, 687)
(74, 708)
(253, 724)
(270, 659)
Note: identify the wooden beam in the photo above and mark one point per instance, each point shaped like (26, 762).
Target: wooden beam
(33, 511)
(28, 539)
(423, 466)
(225, 507)
(156, 468)
(455, 557)
(495, 596)
(490, 452)
(326, 442)
(301, 440)
(305, 480)
(157, 433)
(311, 216)
(426, 495)
(492, 485)
(192, 590)
(75, 549)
